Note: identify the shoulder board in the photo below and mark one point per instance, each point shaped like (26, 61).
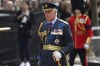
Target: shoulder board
(63, 21)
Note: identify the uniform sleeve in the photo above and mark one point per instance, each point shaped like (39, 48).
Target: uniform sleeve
(89, 32)
(67, 40)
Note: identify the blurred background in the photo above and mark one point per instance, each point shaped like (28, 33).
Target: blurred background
(8, 39)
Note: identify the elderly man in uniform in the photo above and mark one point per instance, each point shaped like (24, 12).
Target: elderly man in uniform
(56, 38)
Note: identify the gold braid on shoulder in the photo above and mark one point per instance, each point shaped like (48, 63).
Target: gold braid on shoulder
(82, 27)
(41, 34)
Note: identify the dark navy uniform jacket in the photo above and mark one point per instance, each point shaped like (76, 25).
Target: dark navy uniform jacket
(57, 35)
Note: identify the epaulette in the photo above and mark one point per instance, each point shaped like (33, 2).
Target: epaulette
(63, 21)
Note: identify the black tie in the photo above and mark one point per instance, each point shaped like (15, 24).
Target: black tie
(50, 26)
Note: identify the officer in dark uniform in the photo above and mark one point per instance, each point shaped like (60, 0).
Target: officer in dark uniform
(56, 38)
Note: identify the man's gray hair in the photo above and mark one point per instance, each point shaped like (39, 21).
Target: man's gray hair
(56, 10)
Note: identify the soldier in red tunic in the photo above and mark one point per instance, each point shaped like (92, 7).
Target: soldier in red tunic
(81, 31)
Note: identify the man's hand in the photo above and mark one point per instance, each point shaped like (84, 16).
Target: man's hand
(57, 55)
(20, 16)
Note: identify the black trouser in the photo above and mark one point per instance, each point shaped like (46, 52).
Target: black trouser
(82, 55)
(23, 47)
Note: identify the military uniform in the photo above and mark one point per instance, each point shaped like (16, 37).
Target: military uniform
(54, 37)
(82, 34)
(81, 30)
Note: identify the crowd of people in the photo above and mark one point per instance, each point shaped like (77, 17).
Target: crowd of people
(14, 5)
(71, 34)
(64, 6)
(35, 5)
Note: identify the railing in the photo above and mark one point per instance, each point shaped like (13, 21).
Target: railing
(96, 28)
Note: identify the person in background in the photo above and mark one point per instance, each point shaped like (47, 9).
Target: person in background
(17, 4)
(10, 6)
(98, 9)
(56, 2)
(4, 4)
(56, 38)
(64, 10)
(1, 8)
(34, 4)
(25, 20)
(81, 31)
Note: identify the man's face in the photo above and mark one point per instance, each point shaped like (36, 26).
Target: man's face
(24, 6)
(50, 14)
(77, 11)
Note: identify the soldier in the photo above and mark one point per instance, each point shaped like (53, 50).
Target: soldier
(55, 36)
(81, 31)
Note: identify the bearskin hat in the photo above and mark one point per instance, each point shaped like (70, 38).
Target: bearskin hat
(79, 4)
